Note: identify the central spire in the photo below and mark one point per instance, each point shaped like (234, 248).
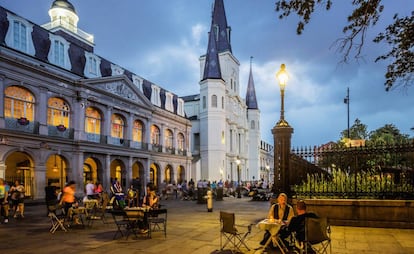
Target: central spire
(220, 27)
(251, 101)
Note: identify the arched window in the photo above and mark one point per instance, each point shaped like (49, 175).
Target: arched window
(252, 125)
(168, 138)
(180, 141)
(19, 103)
(92, 121)
(117, 126)
(155, 135)
(58, 112)
(214, 101)
(137, 131)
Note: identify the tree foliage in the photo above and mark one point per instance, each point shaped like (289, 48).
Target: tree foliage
(357, 131)
(399, 35)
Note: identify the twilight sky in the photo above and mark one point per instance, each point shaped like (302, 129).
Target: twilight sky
(162, 40)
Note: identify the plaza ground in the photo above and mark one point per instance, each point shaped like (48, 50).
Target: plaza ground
(190, 229)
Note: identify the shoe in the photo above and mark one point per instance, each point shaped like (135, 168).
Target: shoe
(22, 216)
(6, 221)
(143, 231)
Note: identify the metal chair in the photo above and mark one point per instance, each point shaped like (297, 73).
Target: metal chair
(157, 221)
(232, 235)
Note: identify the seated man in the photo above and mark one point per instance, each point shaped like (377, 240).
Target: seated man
(297, 224)
(280, 211)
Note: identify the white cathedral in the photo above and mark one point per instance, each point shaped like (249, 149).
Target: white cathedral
(226, 140)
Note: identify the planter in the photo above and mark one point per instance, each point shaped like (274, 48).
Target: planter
(23, 121)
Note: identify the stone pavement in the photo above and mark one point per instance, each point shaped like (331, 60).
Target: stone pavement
(190, 229)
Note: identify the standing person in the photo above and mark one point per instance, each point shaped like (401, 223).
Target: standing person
(18, 199)
(280, 211)
(90, 190)
(68, 196)
(4, 204)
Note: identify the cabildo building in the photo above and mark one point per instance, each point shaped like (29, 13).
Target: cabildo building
(69, 114)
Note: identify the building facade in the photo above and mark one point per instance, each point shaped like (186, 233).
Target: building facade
(69, 114)
(226, 127)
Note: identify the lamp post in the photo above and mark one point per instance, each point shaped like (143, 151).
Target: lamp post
(282, 133)
(238, 178)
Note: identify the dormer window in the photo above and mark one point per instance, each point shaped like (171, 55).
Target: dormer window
(155, 95)
(92, 66)
(58, 53)
(19, 34)
(138, 82)
(116, 70)
(169, 101)
(180, 107)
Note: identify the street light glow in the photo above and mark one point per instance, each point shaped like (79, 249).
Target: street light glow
(282, 76)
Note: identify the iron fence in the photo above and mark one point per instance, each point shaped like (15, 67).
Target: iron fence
(332, 171)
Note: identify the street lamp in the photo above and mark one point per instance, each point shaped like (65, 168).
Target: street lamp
(282, 133)
(283, 77)
(238, 178)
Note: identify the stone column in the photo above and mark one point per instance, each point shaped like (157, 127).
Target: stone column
(2, 120)
(41, 111)
(39, 183)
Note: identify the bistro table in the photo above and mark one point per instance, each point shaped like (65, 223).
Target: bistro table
(77, 212)
(273, 226)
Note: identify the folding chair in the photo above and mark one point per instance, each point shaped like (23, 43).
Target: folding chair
(57, 219)
(123, 223)
(157, 221)
(98, 212)
(317, 236)
(231, 234)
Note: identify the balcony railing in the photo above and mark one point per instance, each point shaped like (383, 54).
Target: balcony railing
(58, 131)
(69, 27)
(22, 124)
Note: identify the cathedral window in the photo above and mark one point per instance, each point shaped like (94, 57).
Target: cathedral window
(214, 101)
(204, 102)
(19, 103)
(58, 112)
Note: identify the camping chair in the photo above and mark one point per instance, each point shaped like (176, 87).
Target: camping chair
(230, 232)
(57, 219)
(317, 236)
(157, 221)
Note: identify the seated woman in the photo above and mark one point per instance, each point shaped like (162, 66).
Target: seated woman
(151, 200)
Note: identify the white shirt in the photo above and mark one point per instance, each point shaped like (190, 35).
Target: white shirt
(90, 187)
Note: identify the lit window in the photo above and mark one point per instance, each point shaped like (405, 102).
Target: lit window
(180, 141)
(117, 126)
(19, 102)
(92, 121)
(155, 135)
(137, 131)
(58, 112)
(168, 138)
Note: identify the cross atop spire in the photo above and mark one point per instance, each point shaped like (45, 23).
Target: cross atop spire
(251, 101)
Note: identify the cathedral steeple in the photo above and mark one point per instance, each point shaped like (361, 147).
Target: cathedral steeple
(251, 101)
(219, 26)
(212, 65)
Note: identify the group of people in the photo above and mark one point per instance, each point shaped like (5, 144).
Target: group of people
(292, 224)
(11, 197)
